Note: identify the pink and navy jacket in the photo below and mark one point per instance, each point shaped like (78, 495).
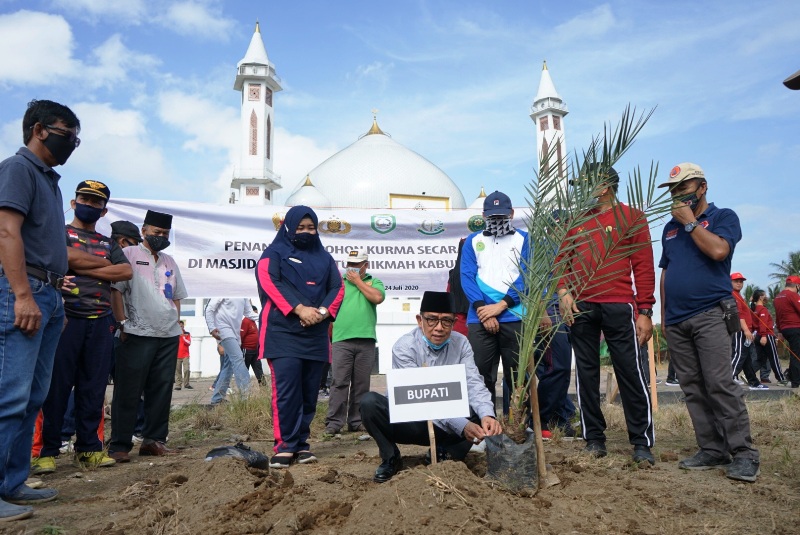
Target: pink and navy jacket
(292, 272)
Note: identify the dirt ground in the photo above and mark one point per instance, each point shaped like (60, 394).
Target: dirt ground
(184, 494)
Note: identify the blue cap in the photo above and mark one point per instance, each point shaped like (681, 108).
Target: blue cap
(497, 203)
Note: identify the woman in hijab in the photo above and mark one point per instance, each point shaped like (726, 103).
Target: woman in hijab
(301, 291)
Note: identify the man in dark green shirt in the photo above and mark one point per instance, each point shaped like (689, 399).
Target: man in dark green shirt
(353, 344)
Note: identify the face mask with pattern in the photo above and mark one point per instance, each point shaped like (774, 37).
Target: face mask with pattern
(499, 225)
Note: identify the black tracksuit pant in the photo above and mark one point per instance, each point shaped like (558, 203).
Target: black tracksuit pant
(616, 321)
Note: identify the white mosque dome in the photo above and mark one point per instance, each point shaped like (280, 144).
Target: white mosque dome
(308, 195)
(378, 172)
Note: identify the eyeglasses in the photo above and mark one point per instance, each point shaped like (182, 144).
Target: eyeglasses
(69, 134)
(447, 323)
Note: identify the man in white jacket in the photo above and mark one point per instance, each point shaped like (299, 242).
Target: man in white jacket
(224, 320)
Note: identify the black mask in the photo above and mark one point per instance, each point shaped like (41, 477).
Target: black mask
(304, 240)
(157, 243)
(691, 200)
(59, 146)
(86, 213)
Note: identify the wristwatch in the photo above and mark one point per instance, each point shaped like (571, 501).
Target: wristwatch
(323, 311)
(690, 226)
(646, 312)
(121, 324)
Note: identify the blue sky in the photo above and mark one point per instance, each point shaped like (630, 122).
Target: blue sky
(453, 80)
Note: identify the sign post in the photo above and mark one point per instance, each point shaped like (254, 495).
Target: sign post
(428, 393)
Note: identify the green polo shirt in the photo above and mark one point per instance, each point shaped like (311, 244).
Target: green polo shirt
(357, 316)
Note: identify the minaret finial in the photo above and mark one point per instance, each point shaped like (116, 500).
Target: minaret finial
(375, 128)
(544, 66)
(258, 28)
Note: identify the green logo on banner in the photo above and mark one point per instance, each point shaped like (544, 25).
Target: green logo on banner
(383, 223)
(476, 223)
(431, 227)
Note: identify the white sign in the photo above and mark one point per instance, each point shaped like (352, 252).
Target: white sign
(431, 393)
(217, 246)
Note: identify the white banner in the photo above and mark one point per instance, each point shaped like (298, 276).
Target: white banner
(217, 246)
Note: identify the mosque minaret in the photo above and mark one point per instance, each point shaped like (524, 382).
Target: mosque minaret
(548, 112)
(253, 179)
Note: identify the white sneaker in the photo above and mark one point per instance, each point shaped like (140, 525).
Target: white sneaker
(137, 439)
(759, 387)
(66, 446)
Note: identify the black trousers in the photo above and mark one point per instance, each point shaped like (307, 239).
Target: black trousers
(740, 359)
(792, 337)
(145, 364)
(616, 321)
(490, 349)
(82, 361)
(251, 361)
(375, 418)
(554, 373)
(768, 357)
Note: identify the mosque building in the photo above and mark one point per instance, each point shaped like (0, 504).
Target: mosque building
(379, 172)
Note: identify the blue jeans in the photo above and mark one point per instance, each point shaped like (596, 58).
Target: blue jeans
(233, 364)
(26, 365)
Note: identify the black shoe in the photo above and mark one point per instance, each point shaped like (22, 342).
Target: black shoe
(596, 448)
(642, 454)
(190, 387)
(442, 455)
(743, 470)
(703, 461)
(388, 468)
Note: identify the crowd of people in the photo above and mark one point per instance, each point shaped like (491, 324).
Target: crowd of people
(79, 306)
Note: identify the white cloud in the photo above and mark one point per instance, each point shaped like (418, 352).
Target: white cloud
(295, 156)
(592, 23)
(197, 19)
(47, 55)
(51, 56)
(116, 147)
(131, 11)
(207, 124)
(376, 73)
(113, 61)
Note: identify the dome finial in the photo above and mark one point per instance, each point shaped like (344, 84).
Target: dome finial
(308, 181)
(258, 28)
(375, 128)
(482, 193)
(544, 65)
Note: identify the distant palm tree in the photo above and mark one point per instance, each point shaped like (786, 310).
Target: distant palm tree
(773, 291)
(748, 292)
(784, 269)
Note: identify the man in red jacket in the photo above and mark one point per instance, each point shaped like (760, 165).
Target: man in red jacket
(787, 317)
(606, 256)
(182, 372)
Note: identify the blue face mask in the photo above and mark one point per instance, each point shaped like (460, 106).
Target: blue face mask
(434, 346)
(87, 214)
